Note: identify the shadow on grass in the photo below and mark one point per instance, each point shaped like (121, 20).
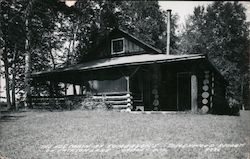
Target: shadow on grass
(8, 117)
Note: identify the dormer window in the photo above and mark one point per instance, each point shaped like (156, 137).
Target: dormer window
(117, 46)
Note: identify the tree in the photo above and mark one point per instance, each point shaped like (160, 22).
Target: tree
(192, 39)
(35, 33)
(142, 19)
(145, 20)
(19, 20)
(10, 20)
(221, 32)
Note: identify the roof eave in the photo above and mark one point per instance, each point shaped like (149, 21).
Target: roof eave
(61, 70)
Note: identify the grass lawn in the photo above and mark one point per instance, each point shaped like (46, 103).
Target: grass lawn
(107, 134)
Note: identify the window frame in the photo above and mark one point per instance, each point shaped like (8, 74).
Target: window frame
(123, 47)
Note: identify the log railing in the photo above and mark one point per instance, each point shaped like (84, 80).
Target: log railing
(118, 100)
(56, 102)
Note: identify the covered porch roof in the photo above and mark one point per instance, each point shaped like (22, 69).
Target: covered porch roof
(116, 62)
(122, 61)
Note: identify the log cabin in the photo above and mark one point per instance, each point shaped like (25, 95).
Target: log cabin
(130, 74)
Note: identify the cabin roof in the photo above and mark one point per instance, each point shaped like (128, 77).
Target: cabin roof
(102, 49)
(123, 61)
(153, 55)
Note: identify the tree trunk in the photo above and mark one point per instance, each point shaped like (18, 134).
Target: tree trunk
(72, 40)
(68, 61)
(6, 74)
(73, 43)
(28, 54)
(27, 65)
(52, 57)
(13, 85)
(242, 93)
(73, 49)
(4, 57)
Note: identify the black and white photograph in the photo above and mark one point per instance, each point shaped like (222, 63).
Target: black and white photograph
(106, 79)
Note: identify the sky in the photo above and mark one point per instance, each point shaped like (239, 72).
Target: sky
(182, 8)
(185, 8)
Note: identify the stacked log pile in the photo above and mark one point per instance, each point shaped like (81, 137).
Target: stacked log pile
(206, 100)
(118, 100)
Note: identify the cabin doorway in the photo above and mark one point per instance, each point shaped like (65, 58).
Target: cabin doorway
(147, 94)
(140, 86)
(183, 91)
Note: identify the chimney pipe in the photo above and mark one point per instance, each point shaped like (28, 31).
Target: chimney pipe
(168, 30)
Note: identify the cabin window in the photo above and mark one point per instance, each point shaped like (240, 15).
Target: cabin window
(117, 46)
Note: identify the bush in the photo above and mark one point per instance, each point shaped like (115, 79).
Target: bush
(72, 103)
(235, 110)
(234, 107)
(224, 108)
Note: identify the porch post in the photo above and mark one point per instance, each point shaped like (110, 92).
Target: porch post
(65, 89)
(52, 99)
(127, 79)
(74, 89)
(81, 89)
(194, 93)
(51, 93)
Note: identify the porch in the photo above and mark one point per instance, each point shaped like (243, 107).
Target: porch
(185, 83)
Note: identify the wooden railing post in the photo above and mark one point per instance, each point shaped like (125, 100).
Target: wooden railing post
(194, 93)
